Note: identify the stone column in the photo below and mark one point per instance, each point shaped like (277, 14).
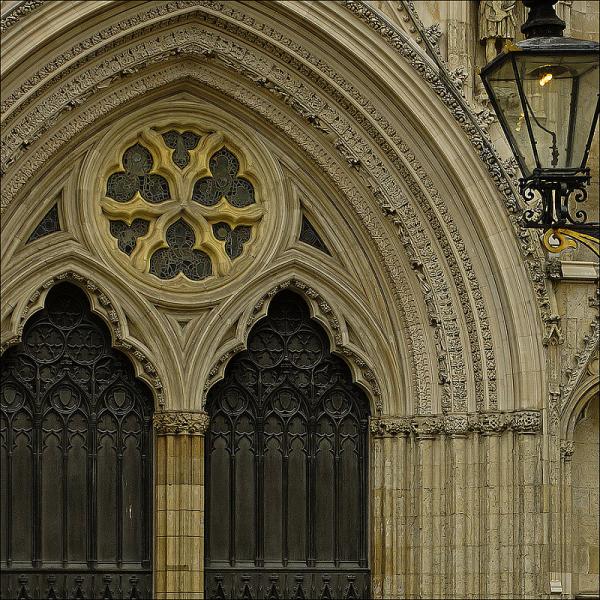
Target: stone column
(390, 505)
(179, 505)
(531, 569)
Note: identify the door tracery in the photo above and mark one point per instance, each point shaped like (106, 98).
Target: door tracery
(76, 460)
(286, 467)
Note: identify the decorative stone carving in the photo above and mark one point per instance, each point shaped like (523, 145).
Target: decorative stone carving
(567, 447)
(457, 377)
(391, 426)
(497, 25)
(489, 423)
(526, 421)
(15, 14)
(554, 269)
(485, 423)
(102, 306)
(573, 374)
(178, 422)
(553, 334)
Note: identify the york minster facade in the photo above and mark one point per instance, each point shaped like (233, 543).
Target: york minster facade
(271, 327)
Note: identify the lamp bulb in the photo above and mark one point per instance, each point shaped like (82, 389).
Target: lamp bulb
(544, 79)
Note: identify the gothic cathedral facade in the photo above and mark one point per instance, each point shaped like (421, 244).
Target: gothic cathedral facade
(270, 326)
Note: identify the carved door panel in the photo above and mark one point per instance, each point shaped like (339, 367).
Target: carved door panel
(286, 467)
(76, 460)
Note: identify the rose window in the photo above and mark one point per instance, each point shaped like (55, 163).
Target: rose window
(180, 207)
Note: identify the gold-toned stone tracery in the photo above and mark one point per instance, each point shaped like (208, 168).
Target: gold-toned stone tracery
(181, 204)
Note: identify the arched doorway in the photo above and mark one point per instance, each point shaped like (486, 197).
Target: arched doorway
(286, 467)
(76, 460)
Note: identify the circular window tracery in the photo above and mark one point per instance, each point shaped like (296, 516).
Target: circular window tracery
(181, 206)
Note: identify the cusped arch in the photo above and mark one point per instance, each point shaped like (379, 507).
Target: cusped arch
(30, 297)
(254, 305)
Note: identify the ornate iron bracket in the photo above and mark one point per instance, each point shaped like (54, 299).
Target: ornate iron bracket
(552, 198)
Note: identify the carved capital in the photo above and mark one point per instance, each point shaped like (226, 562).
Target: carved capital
(390, 426)
(174, 422)
(456, 425)
(567, 447)
(428, 427)
(526, 421)
(490, 423)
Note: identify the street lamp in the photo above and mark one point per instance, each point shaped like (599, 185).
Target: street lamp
(544, 90)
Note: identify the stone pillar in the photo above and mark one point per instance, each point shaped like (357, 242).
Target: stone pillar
(531, 569)
(179, 505)
(390, 505)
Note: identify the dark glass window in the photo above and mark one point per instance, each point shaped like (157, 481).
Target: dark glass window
(286, 464)
(75, 460)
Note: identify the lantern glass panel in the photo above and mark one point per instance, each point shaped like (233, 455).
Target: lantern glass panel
(560, 94)
(503, 87)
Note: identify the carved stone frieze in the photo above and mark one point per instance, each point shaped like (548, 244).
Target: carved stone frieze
(174, 422)
(468, 120)
(527, 421)
(14, 15)
(110, 314)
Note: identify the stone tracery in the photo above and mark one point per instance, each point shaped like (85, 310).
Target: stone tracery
(166, 229)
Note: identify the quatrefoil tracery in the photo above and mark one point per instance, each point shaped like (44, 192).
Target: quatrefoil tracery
(188, 222)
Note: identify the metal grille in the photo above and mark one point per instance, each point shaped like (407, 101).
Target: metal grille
(180, 256)
(309, 236)
(75, 458)
(49, 224)
(286, 467)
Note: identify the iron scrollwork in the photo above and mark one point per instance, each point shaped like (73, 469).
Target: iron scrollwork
(286, 467)
(76, 452)
(553, 199)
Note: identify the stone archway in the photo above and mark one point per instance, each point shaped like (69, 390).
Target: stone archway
(427, 290)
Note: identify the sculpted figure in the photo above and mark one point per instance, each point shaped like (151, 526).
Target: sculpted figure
(496, 24)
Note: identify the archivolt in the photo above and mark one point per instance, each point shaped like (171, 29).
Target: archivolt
(329, 105)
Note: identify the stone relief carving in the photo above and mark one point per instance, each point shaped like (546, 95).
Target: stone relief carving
(575, 372)
(497, 25)
(567, 447)
(111, 315)
(527, 421)
(180, 422)
(14, 15)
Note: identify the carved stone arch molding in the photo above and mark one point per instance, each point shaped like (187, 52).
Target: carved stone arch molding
(252, 307)
(28, 297)
(440, 205)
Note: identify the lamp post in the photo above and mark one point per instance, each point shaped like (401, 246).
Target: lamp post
(545, 91)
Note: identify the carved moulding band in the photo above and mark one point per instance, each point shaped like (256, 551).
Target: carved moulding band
(469, 122)
(173, 422)
(108, 311)
(523, 421)
(258, 311)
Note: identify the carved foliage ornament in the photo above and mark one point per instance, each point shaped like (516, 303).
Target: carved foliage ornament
(524, 421)
(181, 205)
(180, 422)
